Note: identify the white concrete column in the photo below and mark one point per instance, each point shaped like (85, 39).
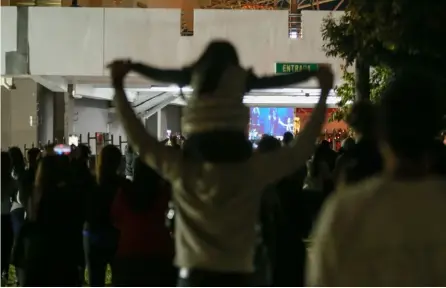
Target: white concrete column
(69, 112)
(19, 114)
(160, 125)
(45, 112)
(151, 124)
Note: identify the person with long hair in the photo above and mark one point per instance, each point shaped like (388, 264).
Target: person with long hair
(53, 229)
(318, 171)
(85, 185)
(26, 187)
(6, 228)
(365, 157)
(100, 236)
(145, 249)
(19, 175)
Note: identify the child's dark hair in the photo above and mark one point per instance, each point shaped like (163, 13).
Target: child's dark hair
(218, 147)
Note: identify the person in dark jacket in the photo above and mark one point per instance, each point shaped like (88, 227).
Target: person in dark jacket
(366, 159)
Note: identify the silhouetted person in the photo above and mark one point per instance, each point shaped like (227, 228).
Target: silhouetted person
(100, 236)
(288, 137)
(145, 249)
(329, 155)
(85, 186)
(386, 230)
(216, 175)
(6, 228)
(346, 156)
(25, 190)
(54, 228)
(19, 175)
(366, 159)
(271, 221)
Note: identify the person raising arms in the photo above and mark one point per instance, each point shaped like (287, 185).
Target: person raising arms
(216, 179)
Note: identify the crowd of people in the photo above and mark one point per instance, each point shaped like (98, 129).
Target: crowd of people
(288, 213)
(59, 217)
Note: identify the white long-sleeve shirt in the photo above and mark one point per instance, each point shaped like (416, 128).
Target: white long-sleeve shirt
(217, 204)
(382, 232)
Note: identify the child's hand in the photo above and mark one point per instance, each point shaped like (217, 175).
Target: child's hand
(119, 69)
(326, 78)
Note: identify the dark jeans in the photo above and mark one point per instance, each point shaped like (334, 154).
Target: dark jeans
(203, 278)
(50, 261)
(143, 272)
(97, 257)
(18, 219)
(51, 274)
(7, 241)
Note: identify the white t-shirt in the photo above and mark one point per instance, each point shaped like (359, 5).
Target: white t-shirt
(382, 232)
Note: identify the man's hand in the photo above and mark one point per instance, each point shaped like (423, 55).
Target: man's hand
(118, 70)
(326, 78)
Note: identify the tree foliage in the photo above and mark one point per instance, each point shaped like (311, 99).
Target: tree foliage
(379, 77)
(386, 34)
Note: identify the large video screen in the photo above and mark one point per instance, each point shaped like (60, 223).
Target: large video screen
(271, 121)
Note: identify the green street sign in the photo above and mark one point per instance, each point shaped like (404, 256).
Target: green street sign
(285, 67)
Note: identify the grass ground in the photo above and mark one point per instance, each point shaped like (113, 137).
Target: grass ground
(12, 278)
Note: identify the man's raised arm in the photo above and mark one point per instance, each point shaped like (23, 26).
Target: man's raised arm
(271, 167)
(165, 161)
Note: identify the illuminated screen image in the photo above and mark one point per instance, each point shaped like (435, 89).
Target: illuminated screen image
(271, 121)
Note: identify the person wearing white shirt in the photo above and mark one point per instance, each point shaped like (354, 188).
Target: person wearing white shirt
(388, 230)
(216, 180)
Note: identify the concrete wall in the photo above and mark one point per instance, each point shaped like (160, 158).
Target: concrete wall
(19, 114)
(8, 26)
(47, 111)
(92, 116)
(83, 41)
